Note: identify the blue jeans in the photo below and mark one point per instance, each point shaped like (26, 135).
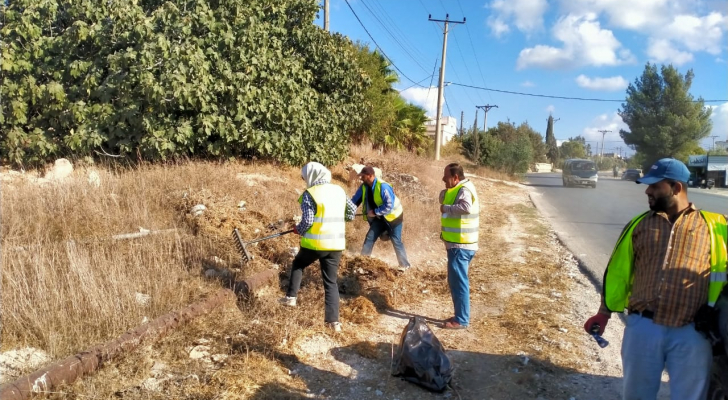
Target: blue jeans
(647, 348)
(458, 262)
(377, 226)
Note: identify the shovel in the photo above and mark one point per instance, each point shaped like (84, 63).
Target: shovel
(241, 245)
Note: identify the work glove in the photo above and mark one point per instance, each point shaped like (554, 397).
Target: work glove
(598, 319)
(295, 230)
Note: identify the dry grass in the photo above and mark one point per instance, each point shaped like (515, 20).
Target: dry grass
(63, 297)
(66, 285)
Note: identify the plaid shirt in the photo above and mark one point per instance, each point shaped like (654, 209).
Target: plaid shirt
(308, 209)
(671, 266)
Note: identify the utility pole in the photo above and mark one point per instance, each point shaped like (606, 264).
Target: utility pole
(620, 152)
(476, 137)
(438, 128)
(462, 129)
(713, 137)
(326, 15)
(486, 108)
(604, 132)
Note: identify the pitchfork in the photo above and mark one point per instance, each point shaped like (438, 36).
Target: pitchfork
(241, 245)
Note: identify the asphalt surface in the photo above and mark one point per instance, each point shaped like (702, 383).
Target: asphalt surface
(589, 221)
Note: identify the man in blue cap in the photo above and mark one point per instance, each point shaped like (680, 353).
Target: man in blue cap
(667, 270)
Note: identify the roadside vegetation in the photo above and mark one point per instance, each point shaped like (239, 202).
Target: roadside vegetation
(66, 286)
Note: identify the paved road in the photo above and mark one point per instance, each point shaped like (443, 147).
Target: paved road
(589, 221)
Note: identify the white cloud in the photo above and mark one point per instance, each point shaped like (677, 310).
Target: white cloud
(663, 51)
(526, 15)
(528, 84)
(695, 33)
(497, 26)
(626, 14)
(584, 43)
(607, 84)
(550, 109)
(609, 122)
(676, 28)
(423, 97)
(720, 121)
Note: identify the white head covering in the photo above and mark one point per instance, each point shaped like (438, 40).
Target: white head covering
(313, 172)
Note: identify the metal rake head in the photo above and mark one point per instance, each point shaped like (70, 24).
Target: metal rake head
(241, 246)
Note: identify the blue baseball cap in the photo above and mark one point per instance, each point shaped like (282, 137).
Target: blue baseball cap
(666, 168)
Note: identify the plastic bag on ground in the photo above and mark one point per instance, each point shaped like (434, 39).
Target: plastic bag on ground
(421, 359)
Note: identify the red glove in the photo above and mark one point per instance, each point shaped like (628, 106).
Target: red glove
(295, 230)
(599, 319)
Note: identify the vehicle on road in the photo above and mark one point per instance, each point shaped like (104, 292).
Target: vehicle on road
(579, 172)
(631, 175)
(699, 182)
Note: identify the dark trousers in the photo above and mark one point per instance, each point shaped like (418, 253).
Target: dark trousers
(329, 261)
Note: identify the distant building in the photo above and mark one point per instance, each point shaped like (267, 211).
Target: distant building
(710, 166)
(721, 145)
(611, 155)
(449, 128)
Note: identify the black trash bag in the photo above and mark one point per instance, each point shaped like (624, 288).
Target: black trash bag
(421, 359)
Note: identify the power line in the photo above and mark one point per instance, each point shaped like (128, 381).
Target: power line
(418, 83)
(462, 57)
(381, 10)
(472, 46)
(433, 77)
(429, 13)
(448, 106)
(376, 44)
(561, 97)
(392, 35)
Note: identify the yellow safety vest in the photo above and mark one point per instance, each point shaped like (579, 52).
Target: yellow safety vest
(461, 228)
(396, 209)
(328, 230)
(619, 277)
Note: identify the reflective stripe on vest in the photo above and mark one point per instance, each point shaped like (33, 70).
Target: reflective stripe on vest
(396, 208)
(460, 228)
(618, 277)
(328, 230)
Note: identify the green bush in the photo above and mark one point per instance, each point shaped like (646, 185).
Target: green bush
(158, 80)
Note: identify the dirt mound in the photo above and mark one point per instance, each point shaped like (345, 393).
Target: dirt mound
(368, 277)
(360, 310)
(221, 215)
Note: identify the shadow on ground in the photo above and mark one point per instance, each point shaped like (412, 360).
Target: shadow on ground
(477, 376)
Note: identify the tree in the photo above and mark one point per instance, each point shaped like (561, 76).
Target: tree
(552, 149)
(505, 147)
(390, 123)
(572, 149)
(162, 79)
(408, 131)
(379, 97)
(663, 118)
(538, 155)
(575, 147)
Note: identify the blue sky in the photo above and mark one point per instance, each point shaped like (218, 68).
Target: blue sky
(568, 48)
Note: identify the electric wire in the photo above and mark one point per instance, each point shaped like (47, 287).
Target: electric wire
(376, 44)
(392, 35)
(564, 97)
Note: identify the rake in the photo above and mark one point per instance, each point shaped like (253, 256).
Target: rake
(240, 244)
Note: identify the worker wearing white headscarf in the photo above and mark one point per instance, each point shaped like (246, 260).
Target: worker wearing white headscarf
(314, 172)
(325, 208)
